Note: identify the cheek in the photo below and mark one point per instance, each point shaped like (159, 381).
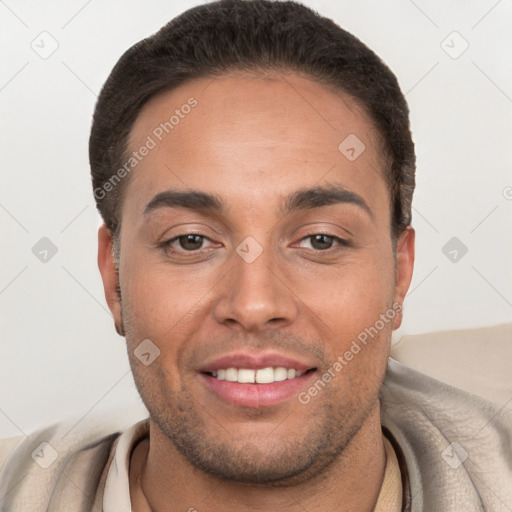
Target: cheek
(348, 297)
(352, 309)
(162, 302)
(161, 307)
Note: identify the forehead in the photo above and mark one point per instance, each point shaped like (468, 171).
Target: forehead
(253, 134)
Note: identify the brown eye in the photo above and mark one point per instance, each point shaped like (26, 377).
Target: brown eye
(189, 245)
(320, 242)
(191, 242)
(323, 242)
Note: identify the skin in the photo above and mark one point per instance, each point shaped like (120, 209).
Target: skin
(252, 141)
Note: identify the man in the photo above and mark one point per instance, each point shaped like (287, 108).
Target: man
(254, 168)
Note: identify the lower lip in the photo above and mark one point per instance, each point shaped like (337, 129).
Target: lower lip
(256, 395)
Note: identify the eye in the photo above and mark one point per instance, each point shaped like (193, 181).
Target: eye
(189, 248)
(322, 242)
(189, 242)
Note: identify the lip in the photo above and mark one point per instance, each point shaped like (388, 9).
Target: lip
(256, 395)
(254, 362)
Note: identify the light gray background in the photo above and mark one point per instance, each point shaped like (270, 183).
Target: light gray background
(60, 355)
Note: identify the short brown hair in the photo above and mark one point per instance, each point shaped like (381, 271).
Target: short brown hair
(252, 35)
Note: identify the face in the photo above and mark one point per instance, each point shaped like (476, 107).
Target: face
(256, 256)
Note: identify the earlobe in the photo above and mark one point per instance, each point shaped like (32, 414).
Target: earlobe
(404, 269)
(119, 328)
(109, 276)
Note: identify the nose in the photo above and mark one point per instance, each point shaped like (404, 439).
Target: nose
(255, 295)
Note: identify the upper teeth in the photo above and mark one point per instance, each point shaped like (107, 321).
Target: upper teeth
(262, 376)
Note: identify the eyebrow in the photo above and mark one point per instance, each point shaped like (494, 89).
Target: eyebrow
(323, 196)
(303, 199)
(193, 200)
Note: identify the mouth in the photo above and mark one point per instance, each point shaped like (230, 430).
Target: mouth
(267, 375)
(256, 382)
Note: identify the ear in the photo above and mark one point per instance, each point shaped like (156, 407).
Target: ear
(109, 276)
(404, 268)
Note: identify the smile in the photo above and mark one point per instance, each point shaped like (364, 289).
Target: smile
(256, 380)
(256, 376)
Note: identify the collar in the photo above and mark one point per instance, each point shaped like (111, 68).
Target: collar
(391, 491)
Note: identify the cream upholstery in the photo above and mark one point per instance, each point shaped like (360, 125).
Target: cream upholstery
(475, 360)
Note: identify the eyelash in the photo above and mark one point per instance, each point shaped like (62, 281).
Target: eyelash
(167, 247)
(183, 253)
(342, 242)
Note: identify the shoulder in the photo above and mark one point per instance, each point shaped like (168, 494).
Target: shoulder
(454, 442)
(7, 446)
(40, 467)
(420, 394)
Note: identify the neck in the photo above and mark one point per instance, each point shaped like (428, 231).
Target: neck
(161, 479)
